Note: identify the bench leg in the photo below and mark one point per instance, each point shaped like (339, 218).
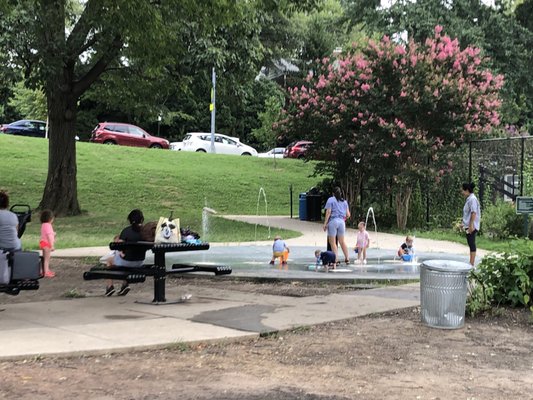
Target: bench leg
(159, 278)
(159, 289)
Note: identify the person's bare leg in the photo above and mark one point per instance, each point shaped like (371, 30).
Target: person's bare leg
(334, 248)
(46, 260)
(344, 248)
(472, 258)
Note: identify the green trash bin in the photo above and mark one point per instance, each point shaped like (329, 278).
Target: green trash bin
(443, 291)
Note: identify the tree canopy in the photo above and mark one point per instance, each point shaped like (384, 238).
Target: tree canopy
(395, 112)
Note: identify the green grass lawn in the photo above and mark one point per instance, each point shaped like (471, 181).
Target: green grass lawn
(112, 180)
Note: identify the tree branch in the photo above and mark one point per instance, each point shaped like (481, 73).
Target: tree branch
(76, 42)
(98, 68)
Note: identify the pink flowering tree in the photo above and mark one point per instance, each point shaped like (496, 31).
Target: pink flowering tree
(393, 112)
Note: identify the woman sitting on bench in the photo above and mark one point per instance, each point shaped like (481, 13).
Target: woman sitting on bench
(9, 222)
(130, 257)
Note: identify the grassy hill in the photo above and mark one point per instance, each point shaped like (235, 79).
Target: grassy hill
(112, 180)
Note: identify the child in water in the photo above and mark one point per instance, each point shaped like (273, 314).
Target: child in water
(406, 250)
(279, 249)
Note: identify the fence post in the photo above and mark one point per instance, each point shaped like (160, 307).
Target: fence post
(523, 142)
(481, 185)
(469, 161)
(290, 197)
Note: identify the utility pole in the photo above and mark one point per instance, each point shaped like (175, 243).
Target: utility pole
(212, 109)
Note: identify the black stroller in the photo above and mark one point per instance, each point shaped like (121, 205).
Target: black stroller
(20, 270)
(23, 213)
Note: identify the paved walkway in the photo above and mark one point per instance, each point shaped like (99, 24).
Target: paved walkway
(98, 324)
(312, 235)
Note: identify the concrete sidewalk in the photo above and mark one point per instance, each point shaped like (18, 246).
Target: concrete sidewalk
(100, 324)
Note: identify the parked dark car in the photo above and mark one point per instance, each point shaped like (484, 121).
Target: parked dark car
(126, 135)
(297, 149)
(26, 127)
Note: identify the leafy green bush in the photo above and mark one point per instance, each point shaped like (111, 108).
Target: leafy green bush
(500, 221)
(502, 279)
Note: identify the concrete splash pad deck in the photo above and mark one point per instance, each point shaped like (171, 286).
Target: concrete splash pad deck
(253, 261)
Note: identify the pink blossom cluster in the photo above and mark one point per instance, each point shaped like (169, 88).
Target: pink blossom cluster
(410, 102)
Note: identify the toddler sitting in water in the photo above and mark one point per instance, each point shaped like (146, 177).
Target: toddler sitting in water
(406, 251)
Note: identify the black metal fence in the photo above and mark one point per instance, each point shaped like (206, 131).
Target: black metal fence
(500, 169)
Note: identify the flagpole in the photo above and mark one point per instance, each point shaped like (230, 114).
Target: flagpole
(212, 109)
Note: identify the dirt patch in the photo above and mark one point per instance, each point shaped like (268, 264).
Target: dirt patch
(384, 356)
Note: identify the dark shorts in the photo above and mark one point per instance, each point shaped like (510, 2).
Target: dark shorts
(471, 240)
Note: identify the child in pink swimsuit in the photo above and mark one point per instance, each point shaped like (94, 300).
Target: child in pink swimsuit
(363, 241)
(48, 238)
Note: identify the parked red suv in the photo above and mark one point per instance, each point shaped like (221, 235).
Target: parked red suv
(297, 149)
(126, 135)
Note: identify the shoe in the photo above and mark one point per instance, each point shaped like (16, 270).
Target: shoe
(124, 290)
(271, 262)
(49, 274)
(284, 263)
(364, 261)
(109, 291)
(347, 262)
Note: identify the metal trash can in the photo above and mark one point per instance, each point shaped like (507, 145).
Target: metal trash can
(443, 291)
(302, 210)
(314, 207)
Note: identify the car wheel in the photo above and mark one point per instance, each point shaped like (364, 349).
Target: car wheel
(109, 142)
(156, 146)
(200, 151)
(301, 157)
(245, 154)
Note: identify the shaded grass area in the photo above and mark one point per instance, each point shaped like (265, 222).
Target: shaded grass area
(112, 180)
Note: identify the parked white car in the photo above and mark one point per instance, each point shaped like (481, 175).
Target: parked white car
(201, 142)
(274, 153)
(176, 146)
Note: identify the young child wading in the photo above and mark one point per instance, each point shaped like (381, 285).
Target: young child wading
(363, 241)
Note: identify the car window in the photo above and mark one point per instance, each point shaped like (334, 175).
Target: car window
(187, 137)
(121, 128)
(29, 125)
(229, 141)
(117, 128)
(219, 139)
(205, 137)
(136, 131)
(41, 127)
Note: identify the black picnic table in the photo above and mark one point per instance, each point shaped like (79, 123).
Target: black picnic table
(159, 269)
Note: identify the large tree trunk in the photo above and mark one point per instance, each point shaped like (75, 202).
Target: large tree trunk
(61, 191)
(350, 184)
(403, 196)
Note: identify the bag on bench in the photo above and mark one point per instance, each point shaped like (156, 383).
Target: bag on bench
(25, 265)
(5, 273)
